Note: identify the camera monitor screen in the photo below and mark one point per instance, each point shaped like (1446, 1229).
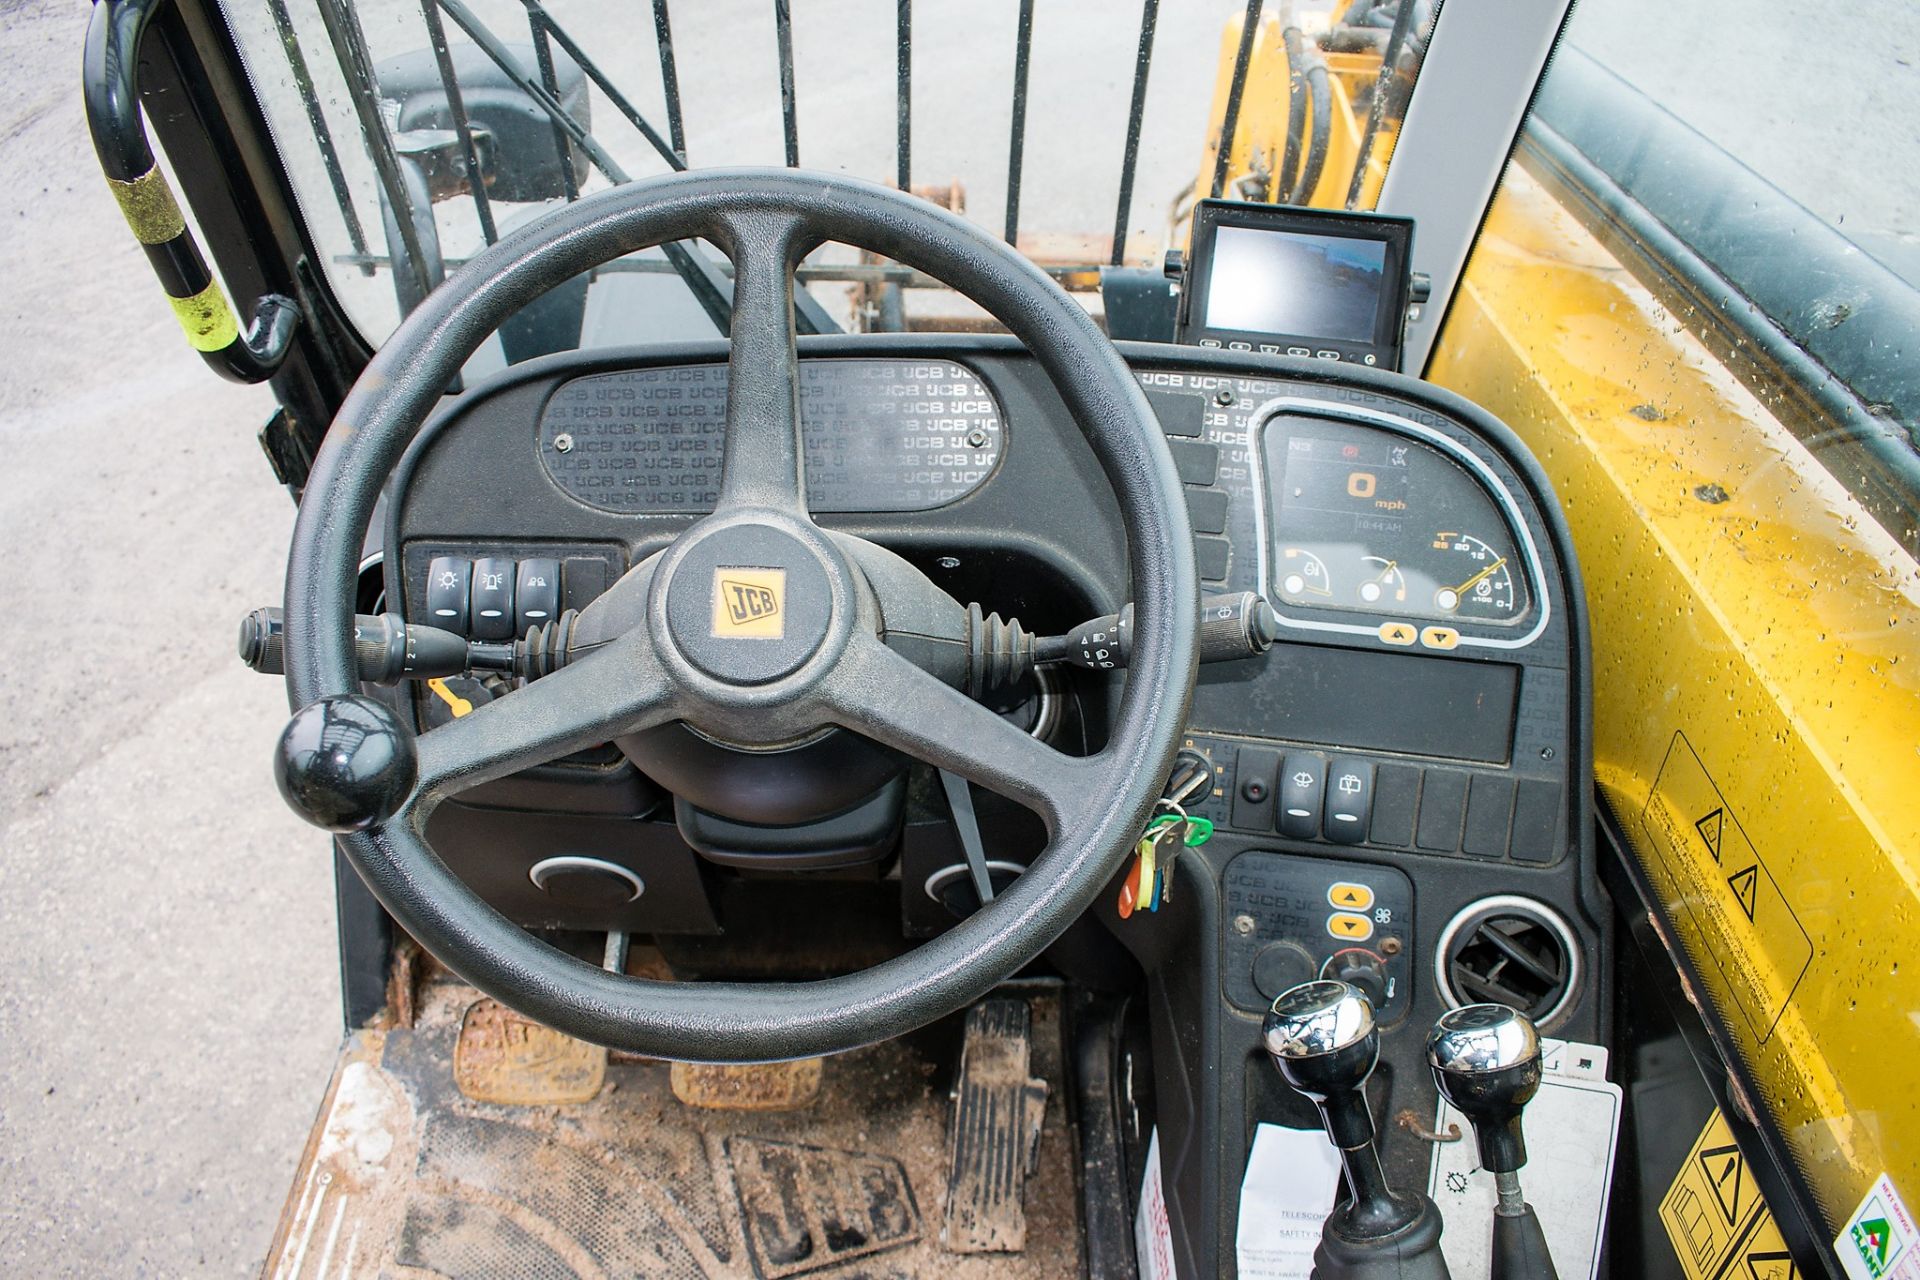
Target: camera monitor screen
(1288, 281)
(1281, 282)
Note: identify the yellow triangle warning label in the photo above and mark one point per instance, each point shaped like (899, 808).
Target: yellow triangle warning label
(1726, 1175)
(1745, 884)
(1715, 1217)
(1710, 828)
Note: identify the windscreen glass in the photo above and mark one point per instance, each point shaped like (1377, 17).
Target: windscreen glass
(1082, 132)
(1278, 282)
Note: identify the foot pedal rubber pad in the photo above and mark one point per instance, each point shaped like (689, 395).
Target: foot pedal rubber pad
(772, 1086)
(504, 1058)
(994, 1142)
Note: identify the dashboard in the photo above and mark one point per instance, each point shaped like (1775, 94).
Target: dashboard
(1398, 785)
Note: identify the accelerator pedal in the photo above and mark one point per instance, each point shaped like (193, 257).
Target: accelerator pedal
(994, 1141)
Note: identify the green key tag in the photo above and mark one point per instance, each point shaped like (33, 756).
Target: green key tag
(1198, 832)
(1169, 834)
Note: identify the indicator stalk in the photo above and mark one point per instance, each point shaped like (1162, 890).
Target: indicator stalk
(387, 648)
(1000, 652)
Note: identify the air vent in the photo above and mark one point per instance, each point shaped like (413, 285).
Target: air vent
(1512, 951)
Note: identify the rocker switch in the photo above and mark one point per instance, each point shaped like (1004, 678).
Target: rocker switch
(493, 599)
(536, 594)
(1349, 799)
(449, 590)
(1253, 790)
(1303, 785)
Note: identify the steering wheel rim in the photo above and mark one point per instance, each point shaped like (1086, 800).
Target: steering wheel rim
(766, 219)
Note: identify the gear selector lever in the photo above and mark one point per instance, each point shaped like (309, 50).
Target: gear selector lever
(1321, 1036)
(1486, 1062)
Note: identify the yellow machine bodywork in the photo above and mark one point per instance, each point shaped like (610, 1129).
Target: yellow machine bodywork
(1756, 643)
(1261, 128)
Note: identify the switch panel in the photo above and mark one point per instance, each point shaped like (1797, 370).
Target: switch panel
(1485, 813)
(496, 592)
(1348, 920)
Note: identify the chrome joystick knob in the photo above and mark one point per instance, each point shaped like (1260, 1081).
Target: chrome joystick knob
(1321, 1035)
(1486, 1062)
(1317, 1018)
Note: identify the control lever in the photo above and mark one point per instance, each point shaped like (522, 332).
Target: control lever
(1232, 625)
(1486, 1062)
(386, 648)
(1236, 625)
(1322, 1038)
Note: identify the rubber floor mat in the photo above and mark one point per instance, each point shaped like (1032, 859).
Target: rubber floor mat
(407, 1178)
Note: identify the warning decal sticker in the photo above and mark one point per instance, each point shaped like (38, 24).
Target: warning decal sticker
(1739, 926)
(1710, 828)
(1880, 1241)
(1716, 1221)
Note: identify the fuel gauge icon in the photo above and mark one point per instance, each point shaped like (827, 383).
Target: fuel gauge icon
(1385, 581)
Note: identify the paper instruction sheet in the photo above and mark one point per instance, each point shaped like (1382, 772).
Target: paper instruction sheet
(1288, 1191)
(1152, 1235)
(1572, 1128)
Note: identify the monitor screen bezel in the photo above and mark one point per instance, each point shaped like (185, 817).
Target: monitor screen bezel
(1389, 320)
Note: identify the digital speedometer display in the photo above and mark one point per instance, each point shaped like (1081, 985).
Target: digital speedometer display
(1376, 522)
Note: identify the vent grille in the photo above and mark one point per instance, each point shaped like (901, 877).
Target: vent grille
(1511, 957)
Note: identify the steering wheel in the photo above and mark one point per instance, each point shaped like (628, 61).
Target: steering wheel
(346, 763)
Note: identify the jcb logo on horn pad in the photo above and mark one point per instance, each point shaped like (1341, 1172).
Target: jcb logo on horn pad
(746, 603)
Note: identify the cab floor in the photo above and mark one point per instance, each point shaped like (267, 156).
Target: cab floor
(407, 1177)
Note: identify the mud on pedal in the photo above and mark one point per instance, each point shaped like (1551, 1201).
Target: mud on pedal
(994, 1141)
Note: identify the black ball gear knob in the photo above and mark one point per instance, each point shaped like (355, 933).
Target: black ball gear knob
(345, 763)
(1321, 1036)
(1486, 1062)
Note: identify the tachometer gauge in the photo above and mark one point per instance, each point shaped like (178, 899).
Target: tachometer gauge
(1384, 582)
(1303, 575)
(1477, 581)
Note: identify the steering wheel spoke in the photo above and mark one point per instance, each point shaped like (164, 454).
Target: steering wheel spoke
(619, 689)
(765, 465)
(881, 694)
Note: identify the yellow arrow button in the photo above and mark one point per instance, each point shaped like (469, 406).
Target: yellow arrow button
(1350, 897)
(1349, 927)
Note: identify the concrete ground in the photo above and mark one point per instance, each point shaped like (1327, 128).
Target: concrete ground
(169, 1005)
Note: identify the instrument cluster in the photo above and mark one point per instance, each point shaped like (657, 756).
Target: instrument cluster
(1369, 521)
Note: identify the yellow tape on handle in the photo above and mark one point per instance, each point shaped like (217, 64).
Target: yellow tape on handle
(148, 204)
(207, 319)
